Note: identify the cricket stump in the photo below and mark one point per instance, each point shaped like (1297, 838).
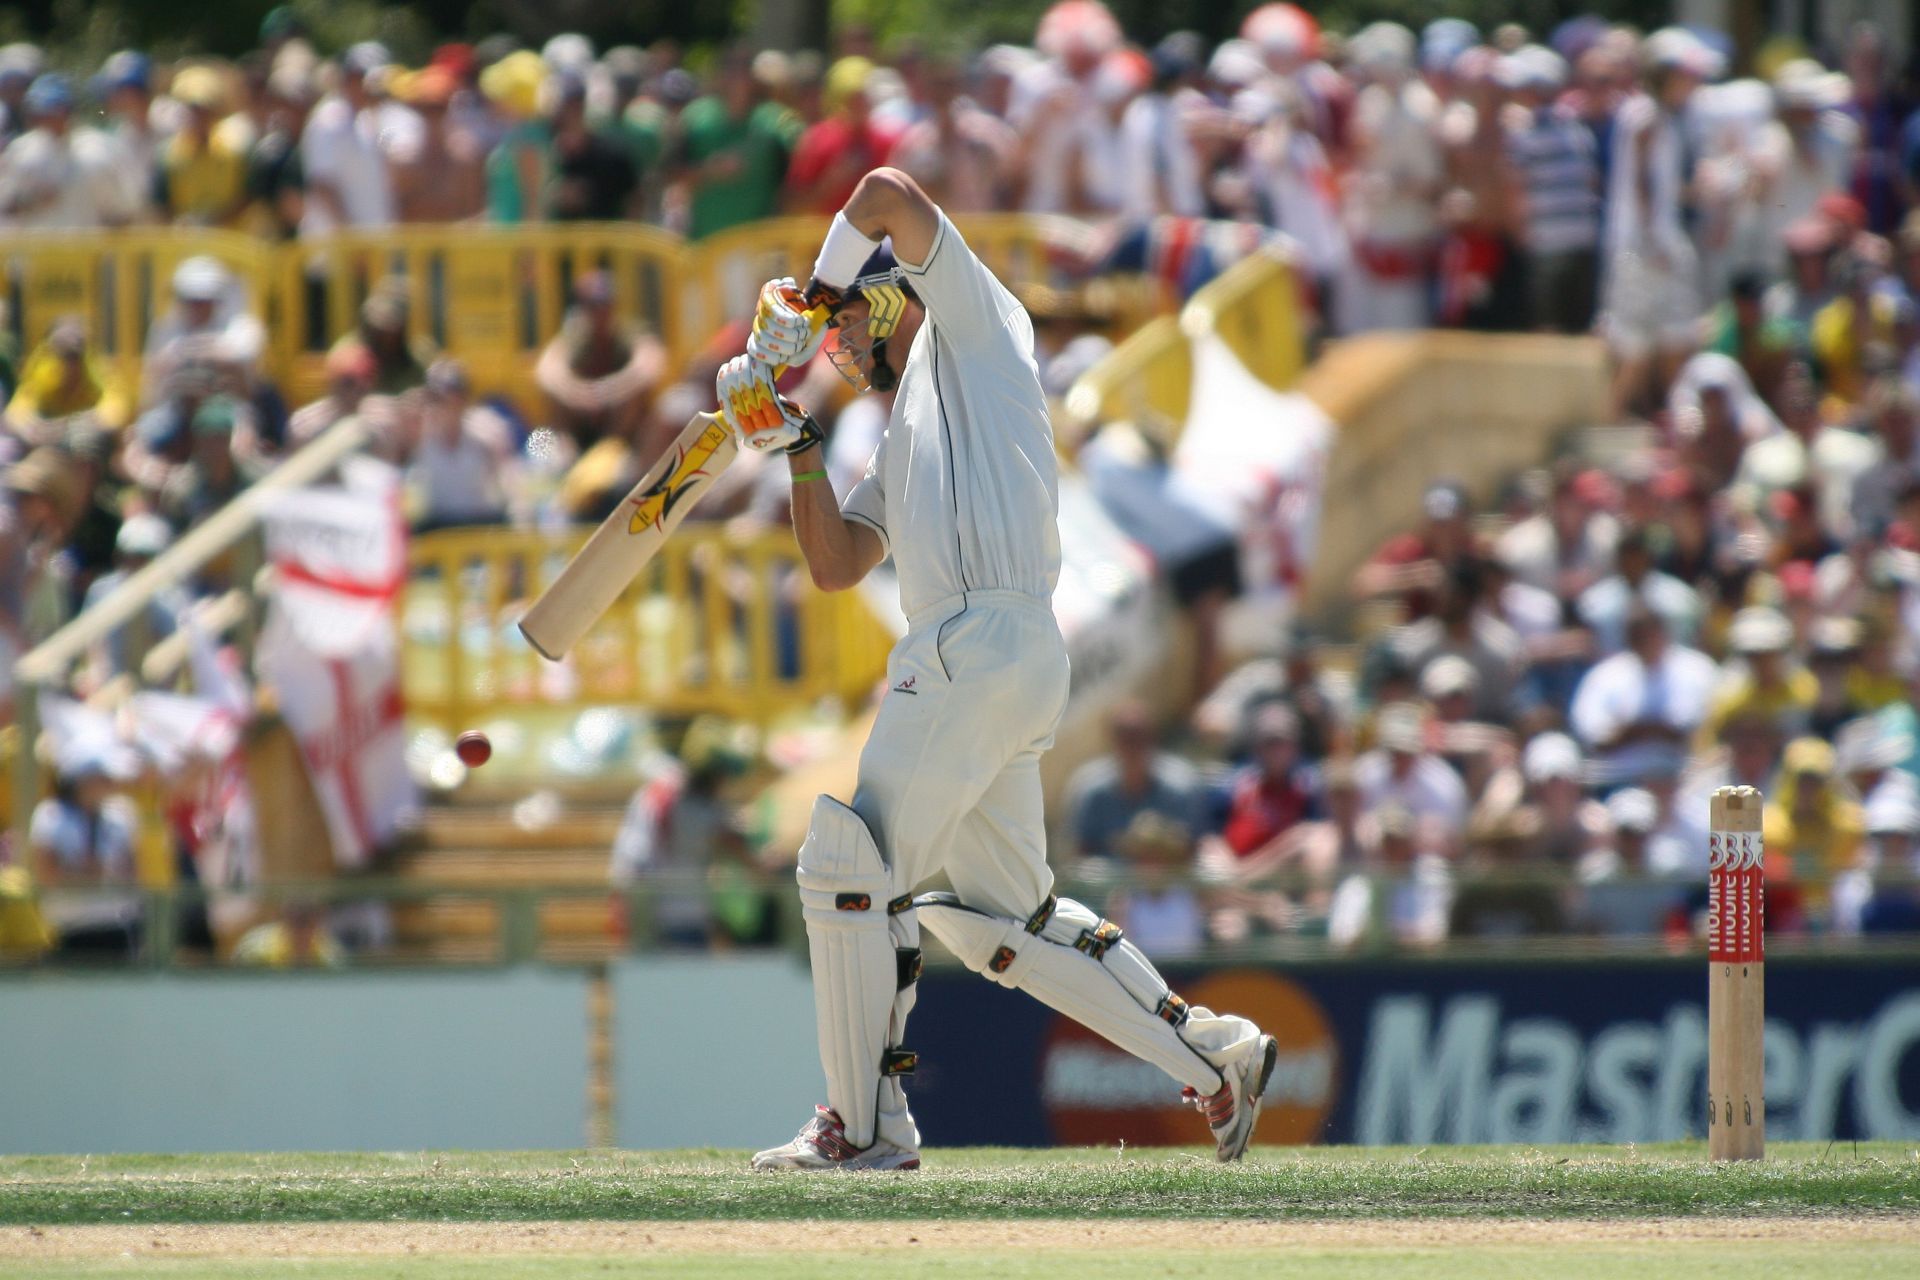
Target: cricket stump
(1736, 978)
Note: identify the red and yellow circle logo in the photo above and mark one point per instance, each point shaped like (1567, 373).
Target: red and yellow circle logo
(1097, 1094)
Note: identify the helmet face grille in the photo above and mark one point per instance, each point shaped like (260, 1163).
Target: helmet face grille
(862, 345)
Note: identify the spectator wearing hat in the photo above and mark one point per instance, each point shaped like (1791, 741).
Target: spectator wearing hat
(81, 840)
(733, 149)
(1807, 150)
(1813, 831)
(124, 86)
(1504, 891)
(1827, 458)
(1162, 166)
(592, 178)
(1832, 643)
(276, 180)
(347, 183)
(1397, 171)
(209, 323)
(62, 377)
(1603, 607)
(462, 467)
(439, 172)
(41, 502)
(141, 538)
(1402, 770)
(203, 175)
(1870, 753)
(515, 85)
(1635, 711)
(1554, 155)
(832, 155)
(57, 177)
(400, 358)
(598, 372)
(1404, 892)
(1651, 305)
(1472, 746)
(1156, 904)
(1863, 903)
(1621, 894)
(1108, 792)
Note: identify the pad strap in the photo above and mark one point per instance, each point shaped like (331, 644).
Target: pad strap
(898, 1062)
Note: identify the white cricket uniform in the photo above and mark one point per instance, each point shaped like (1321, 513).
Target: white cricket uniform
(964, 491)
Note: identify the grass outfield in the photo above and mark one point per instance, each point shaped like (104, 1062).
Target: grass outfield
(1274, 1184)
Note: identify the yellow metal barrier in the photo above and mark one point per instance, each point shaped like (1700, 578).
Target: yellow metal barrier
(494, 296)
(1146, 380)
(1255, 309)
(716, 623)
(119, 282)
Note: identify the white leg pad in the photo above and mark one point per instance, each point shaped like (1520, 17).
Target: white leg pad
(1080, 965)
(844, 890)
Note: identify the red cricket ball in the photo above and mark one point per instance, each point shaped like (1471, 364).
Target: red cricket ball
(473, 748)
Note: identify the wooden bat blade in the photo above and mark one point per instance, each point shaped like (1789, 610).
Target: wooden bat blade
(629, 538)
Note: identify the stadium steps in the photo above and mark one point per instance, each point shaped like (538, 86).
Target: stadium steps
(467, 854)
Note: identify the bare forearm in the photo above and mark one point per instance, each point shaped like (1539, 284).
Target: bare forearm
(839, 552)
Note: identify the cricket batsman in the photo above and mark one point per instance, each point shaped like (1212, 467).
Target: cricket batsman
(963, 492)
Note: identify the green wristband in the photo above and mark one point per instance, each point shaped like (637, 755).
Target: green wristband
(798, 476)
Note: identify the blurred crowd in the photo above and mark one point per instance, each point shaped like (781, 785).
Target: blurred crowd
(1546, 686)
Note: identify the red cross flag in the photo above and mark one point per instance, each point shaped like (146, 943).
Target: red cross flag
(330, 652)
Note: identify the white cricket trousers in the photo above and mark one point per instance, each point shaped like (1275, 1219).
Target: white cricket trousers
(950, 778)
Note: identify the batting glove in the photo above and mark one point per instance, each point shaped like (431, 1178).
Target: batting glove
(764, 419)
(788, 327)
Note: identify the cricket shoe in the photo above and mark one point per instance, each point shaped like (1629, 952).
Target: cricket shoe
(822, 1146)
(1233, 1111)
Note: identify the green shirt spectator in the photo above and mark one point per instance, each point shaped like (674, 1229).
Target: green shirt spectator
(736, 161)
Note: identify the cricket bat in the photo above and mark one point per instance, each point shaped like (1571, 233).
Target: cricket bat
(630, 537)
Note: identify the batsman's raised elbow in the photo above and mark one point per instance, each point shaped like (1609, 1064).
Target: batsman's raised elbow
(833, 577)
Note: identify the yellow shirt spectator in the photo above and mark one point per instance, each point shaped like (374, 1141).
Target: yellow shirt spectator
(205, 181)
(1838, 342)
(203, 168)
(62, 377)
(1809, 825)
(1784, 703)
(1770, 689)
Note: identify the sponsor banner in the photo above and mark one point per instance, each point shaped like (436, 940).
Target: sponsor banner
(1433, 1052)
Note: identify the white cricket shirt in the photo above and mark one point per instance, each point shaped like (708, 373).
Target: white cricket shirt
(964, 487)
